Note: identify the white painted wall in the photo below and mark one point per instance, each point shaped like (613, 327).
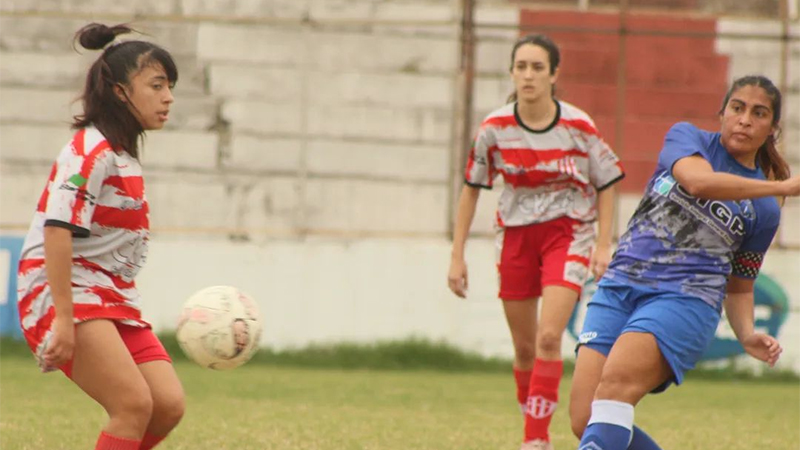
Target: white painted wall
(331, 290)
(328, 290)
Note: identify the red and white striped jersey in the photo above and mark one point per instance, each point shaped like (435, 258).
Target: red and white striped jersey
(98, 194)
(547, 174)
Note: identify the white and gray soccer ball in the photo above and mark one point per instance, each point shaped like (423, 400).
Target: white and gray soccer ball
(219, 327)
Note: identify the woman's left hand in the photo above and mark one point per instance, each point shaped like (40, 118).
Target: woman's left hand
(598, 263)
(763, 347)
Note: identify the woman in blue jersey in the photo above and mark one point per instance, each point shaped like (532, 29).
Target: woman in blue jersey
(694, 245)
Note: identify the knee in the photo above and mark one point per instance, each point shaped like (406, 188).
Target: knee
(548, 342)
(168, 411)
(525, 352)
(579, 411)
(134, 408)
(578, 423)
(615, 385)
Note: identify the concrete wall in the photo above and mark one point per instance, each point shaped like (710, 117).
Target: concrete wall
(290, 115)
(325, 290)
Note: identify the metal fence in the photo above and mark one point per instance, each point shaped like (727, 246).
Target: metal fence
(747, 37)
(616, 67)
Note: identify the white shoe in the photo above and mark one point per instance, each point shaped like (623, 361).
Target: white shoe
(537, 444)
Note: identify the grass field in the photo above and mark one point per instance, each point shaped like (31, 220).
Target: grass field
(267, 406)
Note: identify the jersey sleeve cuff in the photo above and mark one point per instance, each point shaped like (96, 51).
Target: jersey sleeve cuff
(77, 231)
(477, 185)
(745, 276)
(610, 183)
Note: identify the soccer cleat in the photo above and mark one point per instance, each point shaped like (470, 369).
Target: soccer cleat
(536, 444)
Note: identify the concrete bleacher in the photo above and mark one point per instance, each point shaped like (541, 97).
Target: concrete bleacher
(282, 124)
(263, 95)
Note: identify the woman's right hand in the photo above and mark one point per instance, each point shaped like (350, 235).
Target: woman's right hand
(457, 277)
(62, 344)
(791, 186)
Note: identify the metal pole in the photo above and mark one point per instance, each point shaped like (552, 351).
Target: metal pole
(783, 85)
(783, 80)
(622, 82)
(462, 110)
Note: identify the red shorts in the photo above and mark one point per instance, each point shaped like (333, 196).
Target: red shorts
(142, 343)
(553, 253)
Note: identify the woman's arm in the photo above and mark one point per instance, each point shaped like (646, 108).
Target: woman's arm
(697, 176)
(467, 202)
(601, 255)
(58, 265)
(739, 307)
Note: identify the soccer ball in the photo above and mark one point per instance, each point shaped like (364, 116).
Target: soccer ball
(219, 327)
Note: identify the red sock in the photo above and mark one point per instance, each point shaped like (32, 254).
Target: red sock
(149, 441)
(523, 379)
(543, 398)
(109, 442)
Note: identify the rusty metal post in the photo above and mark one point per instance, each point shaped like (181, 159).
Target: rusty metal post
(783, 85)
(783, 80)
(462, 109)
(622, 85)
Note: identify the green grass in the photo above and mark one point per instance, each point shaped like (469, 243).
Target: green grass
(275, 403)
(409, 354)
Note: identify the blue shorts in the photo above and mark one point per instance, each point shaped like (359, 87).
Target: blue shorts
(683, 326)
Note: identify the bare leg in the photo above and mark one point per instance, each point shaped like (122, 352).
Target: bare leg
(558, 302)
(104, 369)
(634, 367)
(521, 317)
(557, 305)
(167, 394)
(588, 368)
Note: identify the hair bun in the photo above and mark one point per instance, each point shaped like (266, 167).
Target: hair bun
(95, 36)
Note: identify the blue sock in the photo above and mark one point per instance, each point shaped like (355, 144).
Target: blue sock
(610, 426)
(641, 441)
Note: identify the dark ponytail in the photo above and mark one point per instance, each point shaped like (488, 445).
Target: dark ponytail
(102, 107)
(768, 158)
(771, 161)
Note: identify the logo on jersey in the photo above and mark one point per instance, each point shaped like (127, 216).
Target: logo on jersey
(540, 407)
(567, 166)
(74, 184)
(131, 205)
(725, 222)
(746, 209)
(664, 184)
(587, 336)
(78, 180)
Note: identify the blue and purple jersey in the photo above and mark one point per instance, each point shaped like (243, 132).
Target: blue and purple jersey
(679, 243)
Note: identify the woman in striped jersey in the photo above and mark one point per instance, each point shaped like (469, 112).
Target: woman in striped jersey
(559, 178)
(78, 303)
